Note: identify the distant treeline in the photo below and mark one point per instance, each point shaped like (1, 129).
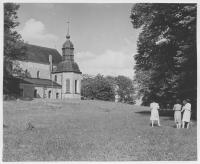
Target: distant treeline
(108, 88)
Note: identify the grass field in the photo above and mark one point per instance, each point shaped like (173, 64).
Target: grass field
(69, 130)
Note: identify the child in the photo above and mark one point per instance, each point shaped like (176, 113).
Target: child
(177, 114)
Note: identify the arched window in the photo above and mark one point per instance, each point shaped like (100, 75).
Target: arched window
(57, 95)
(67, 85)
(38, 74)
(35, 93)
(49, 94)
(55, 78)
(75, 86)
(21, 92)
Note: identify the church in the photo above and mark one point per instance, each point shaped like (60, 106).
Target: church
(50, 75)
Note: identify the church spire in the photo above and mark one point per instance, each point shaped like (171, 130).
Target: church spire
(68, 30)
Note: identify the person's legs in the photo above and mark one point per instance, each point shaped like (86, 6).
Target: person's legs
(188, 124)
(183, 124)
(152, 123)
(159, 122)
(179, 125)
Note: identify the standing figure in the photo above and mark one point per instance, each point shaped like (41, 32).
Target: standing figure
(177, 114)
(154, 113)
(187, 113)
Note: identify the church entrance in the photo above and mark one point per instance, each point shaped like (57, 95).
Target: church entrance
(35, 93)
(49, 94)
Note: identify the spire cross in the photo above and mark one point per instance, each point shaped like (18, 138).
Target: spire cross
(68, 30)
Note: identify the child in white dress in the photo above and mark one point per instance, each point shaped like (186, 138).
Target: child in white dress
(154, 113)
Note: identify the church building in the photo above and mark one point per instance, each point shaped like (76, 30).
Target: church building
(50, 75)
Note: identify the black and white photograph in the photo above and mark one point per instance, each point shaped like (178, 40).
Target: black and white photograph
(99, 81)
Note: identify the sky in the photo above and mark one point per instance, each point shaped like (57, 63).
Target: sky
(102, 33)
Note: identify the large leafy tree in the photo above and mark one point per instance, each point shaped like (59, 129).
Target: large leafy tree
(166, 51)
(103, 89)
(14, 46)
(125, 89)
(97, 87)
(87, 86)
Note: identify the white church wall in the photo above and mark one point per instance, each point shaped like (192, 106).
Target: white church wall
(55, 91)
(58, 78)
(33, 69)
(72, 76)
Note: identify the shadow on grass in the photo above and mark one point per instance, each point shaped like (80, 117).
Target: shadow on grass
(162, 113)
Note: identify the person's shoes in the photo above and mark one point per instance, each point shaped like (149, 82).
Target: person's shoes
(159, 125)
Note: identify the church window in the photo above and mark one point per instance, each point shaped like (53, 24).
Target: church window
(55, 77)
(38, 74)
(67, 85)
(75, 86)
(49, 94)
(35, 93)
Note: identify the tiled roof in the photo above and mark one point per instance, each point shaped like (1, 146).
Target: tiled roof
(68, 44)
(41, 54)
(67, 66)
(38, 81)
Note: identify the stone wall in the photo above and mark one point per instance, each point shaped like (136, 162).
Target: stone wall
(29, 89)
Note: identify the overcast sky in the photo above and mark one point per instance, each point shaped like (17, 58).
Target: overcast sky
(103, 37)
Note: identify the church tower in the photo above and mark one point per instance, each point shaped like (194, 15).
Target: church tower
(68, 71)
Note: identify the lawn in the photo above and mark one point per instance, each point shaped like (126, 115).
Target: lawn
(75, 130)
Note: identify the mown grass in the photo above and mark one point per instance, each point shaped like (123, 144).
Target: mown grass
(69, 130)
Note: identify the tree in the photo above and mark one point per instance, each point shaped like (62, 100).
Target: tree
(97, 87)
(125, 89)
(14, 46)
(103, 89)
(167, 50)
(87, 84)
(111, 80)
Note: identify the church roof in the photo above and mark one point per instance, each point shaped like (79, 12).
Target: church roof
(67, 66)
(39, 82)
(41, 54)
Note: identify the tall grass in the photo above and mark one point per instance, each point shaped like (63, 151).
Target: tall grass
(69, 130)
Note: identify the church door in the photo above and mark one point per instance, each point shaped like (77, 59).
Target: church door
(49, 95)
(35, 93)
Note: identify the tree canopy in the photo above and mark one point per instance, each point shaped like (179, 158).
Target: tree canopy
(14, 46)
(97, 87)
(108, 88)
(125, 89)
(166, 59)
